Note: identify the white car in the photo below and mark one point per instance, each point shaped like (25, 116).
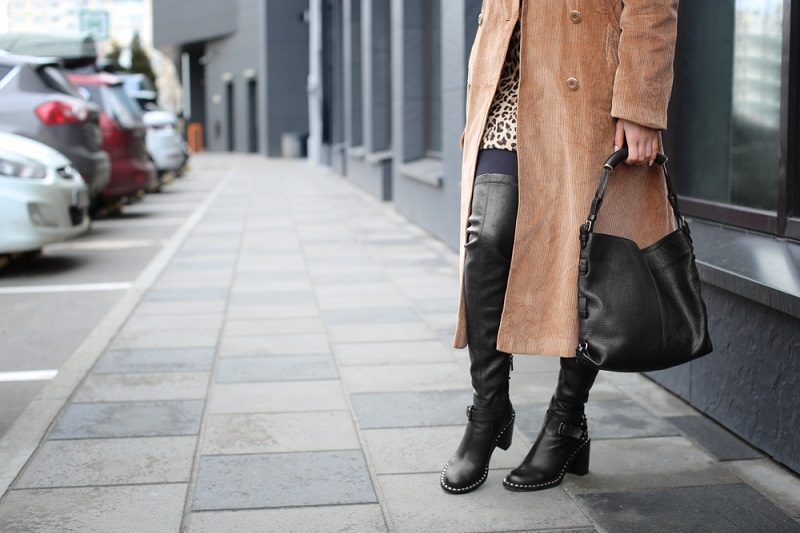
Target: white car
(43, 199)
(164, 144)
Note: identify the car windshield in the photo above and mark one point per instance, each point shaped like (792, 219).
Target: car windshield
(55, 79)
(121, 107)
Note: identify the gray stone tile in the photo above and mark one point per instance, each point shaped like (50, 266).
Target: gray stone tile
(387, 315)
(143, 387)
(427, 449)
(364, 518)
(275, 326)
(272, 297)
(417, 503)
(122, 509)
(154, 361)
(129, 419)
(279, 432)
(360, 296)
(276, 368)
(164, 338)
(336, 278)
(650, 395)
(250, 311)
(74, 463)
(382, 353)
(166, 307)
(186, 294)
(282, 480)
(307, 344)
(277, 397)
(411, 409)
(715, 439)
(380, 332)
(715, 509)
(632, 464)
(620, 419)
(139, 323)
(779, 484)
(436, 305)
(406, 377)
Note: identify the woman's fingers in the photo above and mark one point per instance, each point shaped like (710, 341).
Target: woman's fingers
(642, 142)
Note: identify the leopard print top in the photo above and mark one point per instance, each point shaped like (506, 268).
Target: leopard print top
(501, 126)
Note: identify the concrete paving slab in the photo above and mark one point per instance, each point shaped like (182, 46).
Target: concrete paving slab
(129, 419)
(140, 461)
(647, 463)
(151, 508)
(376, 410)
(186, 294)
(405, 377)
(427, 449)
(621, 419)
(715, 509)
(382, 353)
(277, 397)
(339, 278)
(351, 300)
(417, 503)
(166, 307)
(282, 480)
(270, 283)
(265, 265)
(143, 387)
(272, 326)
(369, 317)
(161, 338)
(654, 398)
(777, 483)
(380, 332)
(279, 432)
(276, 368)
(154, 361)
(253, 311)
(363, 518)
(271, 297)
(715, 439)
(304, 344)
(141, 323)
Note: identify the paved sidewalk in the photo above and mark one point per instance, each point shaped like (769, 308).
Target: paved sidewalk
(285, 365)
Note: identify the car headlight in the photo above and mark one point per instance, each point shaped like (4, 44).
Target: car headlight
(13, 165)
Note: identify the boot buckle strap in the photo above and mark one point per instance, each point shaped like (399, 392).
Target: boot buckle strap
(484, 416)
(570, 431)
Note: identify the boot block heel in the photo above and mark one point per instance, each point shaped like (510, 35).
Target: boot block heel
(504, 439)
(580, 463)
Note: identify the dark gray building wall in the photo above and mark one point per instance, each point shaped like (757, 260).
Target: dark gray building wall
(427, 189)
(751, 382)
(287, 67)
(179, 21)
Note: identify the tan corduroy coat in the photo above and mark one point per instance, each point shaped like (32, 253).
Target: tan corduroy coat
(584, 63)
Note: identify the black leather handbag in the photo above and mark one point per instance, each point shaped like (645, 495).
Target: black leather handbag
(639, 309)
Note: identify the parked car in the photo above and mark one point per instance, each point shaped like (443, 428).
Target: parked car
(43, 198)
(165, 145)
(124, 132)
(38, 101)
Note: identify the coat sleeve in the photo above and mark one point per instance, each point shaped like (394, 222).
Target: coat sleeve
(646, 50)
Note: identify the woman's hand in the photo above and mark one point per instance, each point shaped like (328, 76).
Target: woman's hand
(642, 142)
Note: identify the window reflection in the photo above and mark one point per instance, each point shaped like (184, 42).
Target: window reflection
(756, 103)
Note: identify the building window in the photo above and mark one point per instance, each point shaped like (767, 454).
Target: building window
(433, 78)
(725, 124)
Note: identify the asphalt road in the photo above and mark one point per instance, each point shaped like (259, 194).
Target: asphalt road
(50, 304)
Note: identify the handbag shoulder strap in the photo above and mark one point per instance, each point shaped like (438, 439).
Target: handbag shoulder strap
(611, 163)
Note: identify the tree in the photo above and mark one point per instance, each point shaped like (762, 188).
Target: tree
(140, 61)
(113, 55)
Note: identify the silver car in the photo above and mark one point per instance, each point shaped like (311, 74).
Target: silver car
(39, 102)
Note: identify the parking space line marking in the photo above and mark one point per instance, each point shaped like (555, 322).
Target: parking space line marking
(28, 375)
(77, 287)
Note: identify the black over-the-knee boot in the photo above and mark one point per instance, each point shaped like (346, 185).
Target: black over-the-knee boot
(563, 443)
(490, 419)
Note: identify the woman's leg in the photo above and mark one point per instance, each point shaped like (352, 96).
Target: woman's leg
(488, 249)
(563, 443)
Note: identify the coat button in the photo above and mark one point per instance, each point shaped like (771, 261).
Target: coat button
(573, 84)
(480, 19)
(575, 16)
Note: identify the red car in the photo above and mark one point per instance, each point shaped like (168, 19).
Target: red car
(132, 172)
